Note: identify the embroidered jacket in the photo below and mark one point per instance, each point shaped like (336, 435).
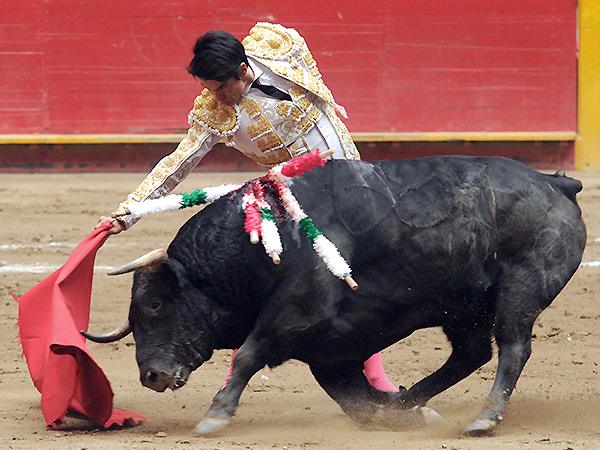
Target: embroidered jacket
(268, 130)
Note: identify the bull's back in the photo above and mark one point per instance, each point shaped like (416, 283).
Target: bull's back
(433, 222)
(439, 221)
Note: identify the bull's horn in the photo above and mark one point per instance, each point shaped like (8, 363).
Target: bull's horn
(123, 330)
(150, 259)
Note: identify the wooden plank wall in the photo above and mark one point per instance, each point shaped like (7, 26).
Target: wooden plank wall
(113, 66)
(588, 104)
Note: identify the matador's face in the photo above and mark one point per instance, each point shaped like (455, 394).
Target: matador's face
(229, 92)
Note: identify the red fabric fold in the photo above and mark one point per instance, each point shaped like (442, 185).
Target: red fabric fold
(61, 367)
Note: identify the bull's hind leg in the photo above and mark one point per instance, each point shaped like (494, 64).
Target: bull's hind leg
(525, 289)
(348, 386)
(471, 348)
(513, 337)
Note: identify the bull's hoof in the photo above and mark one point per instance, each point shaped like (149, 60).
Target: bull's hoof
(432, 417)
(481, 427)
(211, 425)
(416, 417)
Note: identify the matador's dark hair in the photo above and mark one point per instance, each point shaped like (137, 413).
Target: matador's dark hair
(217, 56)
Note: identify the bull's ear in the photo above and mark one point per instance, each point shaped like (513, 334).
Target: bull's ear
(177, 271)
(153, 260)
(169, 272)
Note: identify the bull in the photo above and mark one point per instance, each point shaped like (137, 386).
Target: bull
(478, 246)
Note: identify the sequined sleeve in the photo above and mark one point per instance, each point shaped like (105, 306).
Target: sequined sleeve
(173, 168)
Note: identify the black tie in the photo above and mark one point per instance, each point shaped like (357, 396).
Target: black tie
(271, 91)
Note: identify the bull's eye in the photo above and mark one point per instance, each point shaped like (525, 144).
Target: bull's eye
(156, 304)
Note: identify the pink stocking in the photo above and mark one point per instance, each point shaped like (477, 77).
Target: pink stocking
(376, 374)
(230, 369)
(373, 371)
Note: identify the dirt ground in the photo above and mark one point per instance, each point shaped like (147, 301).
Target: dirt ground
(556, 404)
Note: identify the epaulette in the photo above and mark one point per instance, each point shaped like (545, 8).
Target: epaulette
(285, 52)
(217, 118)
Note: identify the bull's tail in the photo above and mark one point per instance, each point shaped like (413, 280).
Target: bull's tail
(568, 186)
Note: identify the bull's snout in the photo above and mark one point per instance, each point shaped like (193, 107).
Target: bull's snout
(159, 381)
(156, 380)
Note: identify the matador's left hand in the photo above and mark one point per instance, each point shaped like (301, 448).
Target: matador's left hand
(340, 111)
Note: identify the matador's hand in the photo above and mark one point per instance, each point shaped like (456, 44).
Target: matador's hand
(117, 225)
(340, 111)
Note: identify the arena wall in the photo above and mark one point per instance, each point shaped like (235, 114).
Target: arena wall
(465, 76)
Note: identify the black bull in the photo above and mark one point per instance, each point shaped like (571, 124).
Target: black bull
(477, 246)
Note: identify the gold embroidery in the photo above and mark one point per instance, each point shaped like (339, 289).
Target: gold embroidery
(270, 142)
(262, 126)
(309, 108)
(272, 44)
(306, 124)
(270, 159)
(250, 106)
(298, 76)
(350, 150)
(289, 110)
(164, 177)
(300, 147)
(219, 119)
(295, 147)
(268, 40)
(296, 92)
(313, 113)
(304, 103)
(312, 84)
(308, 59)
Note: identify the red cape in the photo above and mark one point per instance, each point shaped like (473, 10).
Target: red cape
(61, 367)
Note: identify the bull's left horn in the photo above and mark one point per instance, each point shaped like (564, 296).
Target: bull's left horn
(153, 258)
(119, 333)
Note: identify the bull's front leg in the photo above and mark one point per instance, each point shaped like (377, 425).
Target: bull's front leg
(248, 361)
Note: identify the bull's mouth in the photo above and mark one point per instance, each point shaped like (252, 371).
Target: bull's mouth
(179, 379)
(161, 381)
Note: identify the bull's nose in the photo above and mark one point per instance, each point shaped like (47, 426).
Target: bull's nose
(152, 376)
(155, 379)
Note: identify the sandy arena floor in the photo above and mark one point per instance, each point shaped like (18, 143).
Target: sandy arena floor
(556, 405)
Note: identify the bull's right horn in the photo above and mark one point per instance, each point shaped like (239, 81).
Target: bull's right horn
(153, 258)
(119, 333)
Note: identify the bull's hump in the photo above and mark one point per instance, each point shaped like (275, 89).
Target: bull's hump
(421, 192)
(427, 190)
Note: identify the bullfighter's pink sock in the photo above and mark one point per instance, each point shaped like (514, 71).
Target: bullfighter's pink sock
(376, 374)
(230, 369)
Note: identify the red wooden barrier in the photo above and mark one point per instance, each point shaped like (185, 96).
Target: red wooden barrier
(113, 66)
